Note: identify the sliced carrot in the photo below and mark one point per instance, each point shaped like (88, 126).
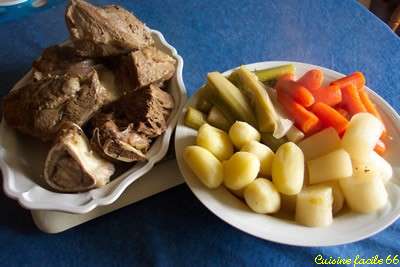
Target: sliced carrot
(330, 117)
(330, 95)
(344, 113)
(305, 120)
(380, 147)
(312, 80)
(351, 100)
(299, 93)
(356, 78)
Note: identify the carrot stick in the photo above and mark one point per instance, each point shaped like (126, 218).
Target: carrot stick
(356, 78)
(312, 80)
(371, 108)
(305, 120)
(330, 117)
(299, 93)
(330, 95)
(380, 147)
(351, 100)
(368, 104)
(344, 113)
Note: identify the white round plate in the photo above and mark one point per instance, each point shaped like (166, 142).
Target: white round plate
(347, 227)
(22, 158)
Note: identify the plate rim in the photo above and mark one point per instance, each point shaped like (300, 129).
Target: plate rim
(110, 197)
(388, 110)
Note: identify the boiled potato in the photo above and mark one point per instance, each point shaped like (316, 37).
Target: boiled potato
(204, 165)
(332, 166)
(320, 143)
(263, 153)
(288, 203)
(215, 140)
(262, 196)
(364, 191)
(294, 135)
(314, 206)
(242, 133)
(240, 170)
(361, 135)
(338, 197)
(288, 169)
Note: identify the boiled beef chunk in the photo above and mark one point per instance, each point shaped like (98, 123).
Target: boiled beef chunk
(61, 59)
(148, 109)
(105, 31)
(40, 107)
(72, 166)
(115, 139)
(144, 67)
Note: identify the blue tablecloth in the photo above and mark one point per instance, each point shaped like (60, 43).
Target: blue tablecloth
(173, 228)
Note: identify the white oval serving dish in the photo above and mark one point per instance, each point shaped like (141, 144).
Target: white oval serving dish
(22, 158)
(347, 227)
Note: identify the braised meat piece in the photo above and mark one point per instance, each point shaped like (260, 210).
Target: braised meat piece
(144, 67)
(40, 107)
(61, 59)
(124, 133)
(71, 165)
(105, 31)
(115, 139)
(148, 109)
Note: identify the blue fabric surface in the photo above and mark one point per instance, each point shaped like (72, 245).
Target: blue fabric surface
(173, 228)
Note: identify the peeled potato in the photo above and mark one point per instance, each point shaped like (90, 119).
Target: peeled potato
(314, 206)
(262, 197)
(263, 153)
(361, 135)
(215, 140)
(364, 191)
(338, 197)
(332, 166)
(240, 170)
(204, 165)
(242, 133)
(288, 169)
(320, 143)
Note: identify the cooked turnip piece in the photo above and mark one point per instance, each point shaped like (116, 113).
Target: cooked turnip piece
(314, 206)
(262, 196)
(204, 165)
(338, 197)
(332, 166)
(240, 170)
(361, 135)
(71, 165)
(385, 171)
(320, 143)
(215, 140)
(288, 169)
(242, 133)
(263, 153)
(364, 191)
